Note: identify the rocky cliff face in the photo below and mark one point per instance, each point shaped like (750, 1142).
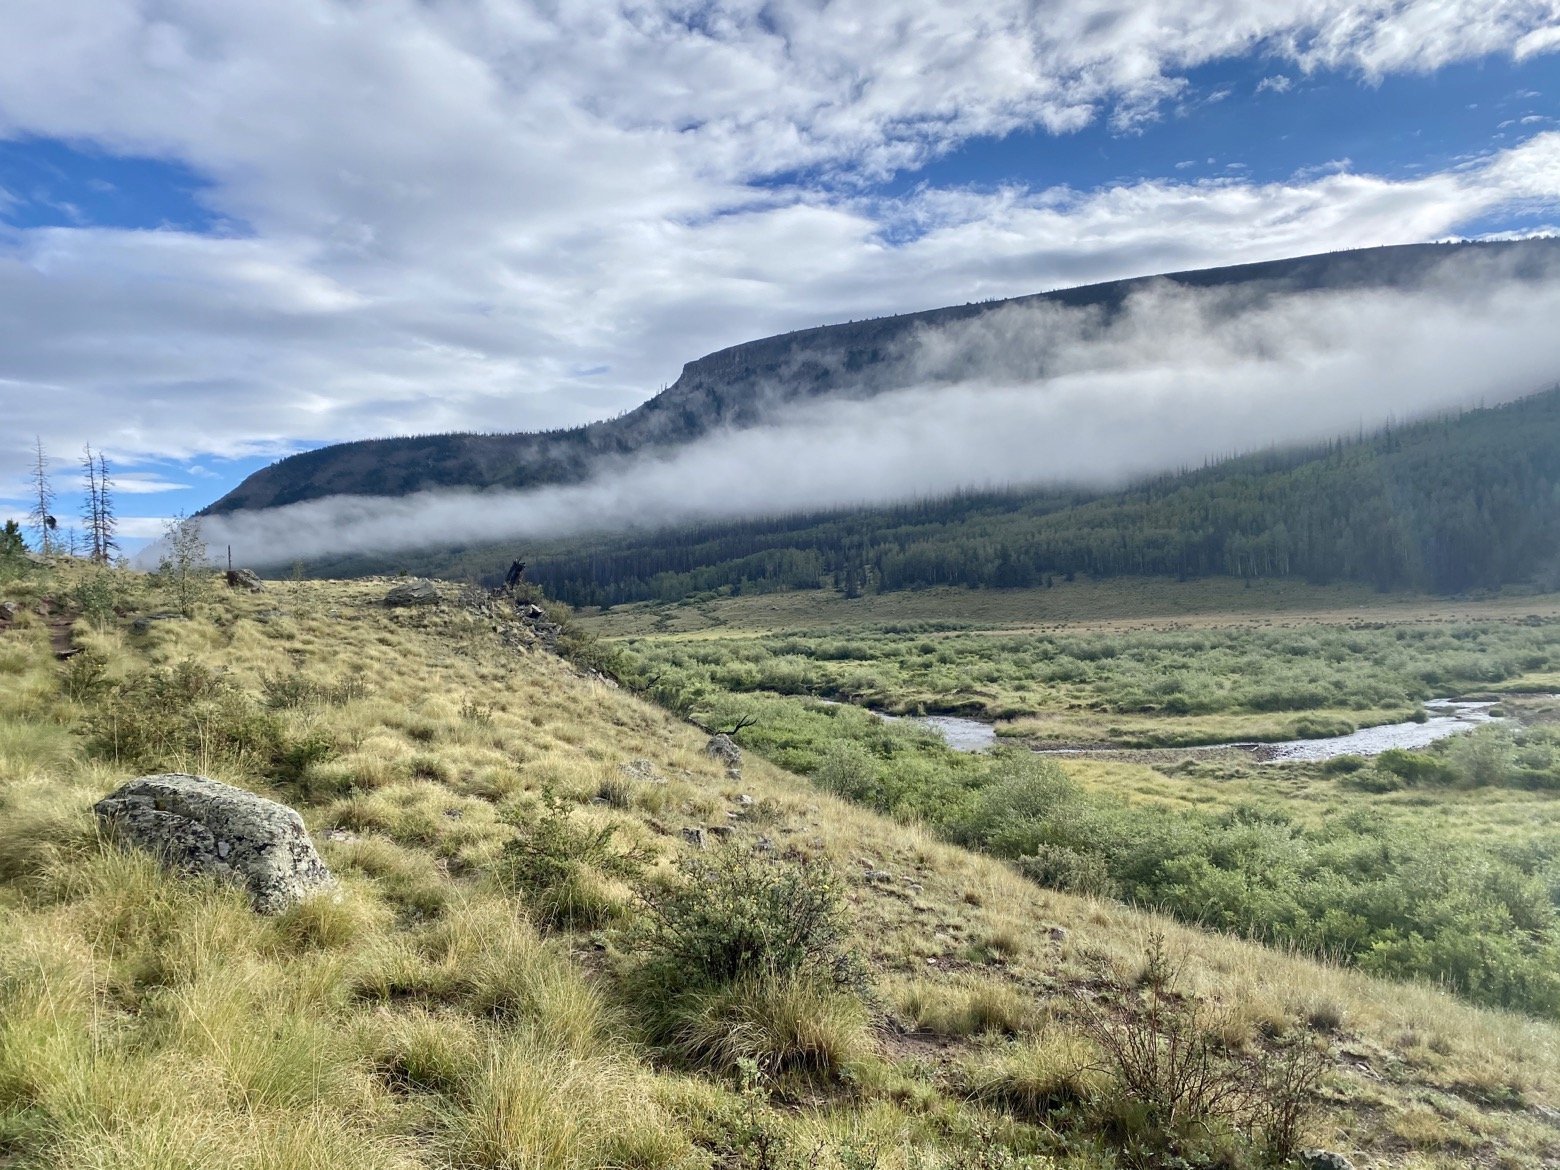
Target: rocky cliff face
(742, 385)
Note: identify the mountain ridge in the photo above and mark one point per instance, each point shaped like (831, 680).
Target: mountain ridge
(738, 385)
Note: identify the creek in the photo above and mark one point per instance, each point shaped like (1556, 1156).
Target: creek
(1446, 717)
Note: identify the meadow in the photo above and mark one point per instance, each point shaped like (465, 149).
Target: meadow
(1436, 864)
(528, 964)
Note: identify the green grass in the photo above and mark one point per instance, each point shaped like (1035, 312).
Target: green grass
(1121, 602)
(1304, 855)
(436, 1013)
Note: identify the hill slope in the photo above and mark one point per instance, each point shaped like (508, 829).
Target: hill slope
(1443, 505)
(740, 385)
(438, 1014)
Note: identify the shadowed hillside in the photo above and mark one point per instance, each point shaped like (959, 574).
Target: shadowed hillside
(1443, 505)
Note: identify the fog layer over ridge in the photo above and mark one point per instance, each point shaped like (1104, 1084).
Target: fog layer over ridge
(1025, 394)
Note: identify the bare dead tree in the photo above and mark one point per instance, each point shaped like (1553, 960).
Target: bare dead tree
(108, 523)
(97, 510)
(89, 505)
(745, 721)
(42, 514)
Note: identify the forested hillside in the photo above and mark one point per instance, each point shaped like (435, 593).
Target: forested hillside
(743, 385)
(1445, 505)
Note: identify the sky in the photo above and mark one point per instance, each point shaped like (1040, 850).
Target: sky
(233, 231)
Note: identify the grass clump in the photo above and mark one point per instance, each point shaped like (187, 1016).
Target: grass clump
(781, 1025)
(565, 869)
(1039, 1074)
(530, 1107)
(746, 960)
(965, 1007)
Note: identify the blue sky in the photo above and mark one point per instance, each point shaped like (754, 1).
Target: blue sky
(231, 232)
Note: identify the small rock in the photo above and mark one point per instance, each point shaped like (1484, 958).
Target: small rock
(764, 845)
(1058, 933)
(642, 770)
(196, 825)
(877, 875)
(745, 800)
(724, 749)
(720, 832)
(245, 579)
(144, 623)
(418, 592)
(9, 610)
(695, 837)
(1324, 1160)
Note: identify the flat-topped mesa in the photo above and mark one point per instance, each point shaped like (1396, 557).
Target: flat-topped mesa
(741, 385)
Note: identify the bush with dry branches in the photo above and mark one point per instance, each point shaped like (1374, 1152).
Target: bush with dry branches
(1179, 1085)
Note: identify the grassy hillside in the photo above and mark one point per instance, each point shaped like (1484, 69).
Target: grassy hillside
(505, 978)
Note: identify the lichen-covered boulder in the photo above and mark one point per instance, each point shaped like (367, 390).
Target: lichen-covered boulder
(196, 825)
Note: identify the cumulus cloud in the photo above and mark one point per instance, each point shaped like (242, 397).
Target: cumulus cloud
(1024, 394)
(496, 215)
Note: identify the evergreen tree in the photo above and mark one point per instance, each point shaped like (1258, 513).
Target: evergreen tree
(12, 545)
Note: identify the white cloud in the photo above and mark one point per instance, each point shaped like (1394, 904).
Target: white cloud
(142, 527)
(442, 213)
(131, 484)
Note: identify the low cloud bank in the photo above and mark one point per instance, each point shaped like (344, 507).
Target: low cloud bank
(1022, 395)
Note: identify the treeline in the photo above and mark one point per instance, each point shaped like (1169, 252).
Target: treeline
(1447, 505)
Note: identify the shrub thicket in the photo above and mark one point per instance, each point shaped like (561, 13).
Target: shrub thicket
(1357, 887)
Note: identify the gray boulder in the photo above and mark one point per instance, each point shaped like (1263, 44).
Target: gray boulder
(418, 592)
(695, 837)
(196, 825)
(245, 579)
(721, 747)
(1324, 1160)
